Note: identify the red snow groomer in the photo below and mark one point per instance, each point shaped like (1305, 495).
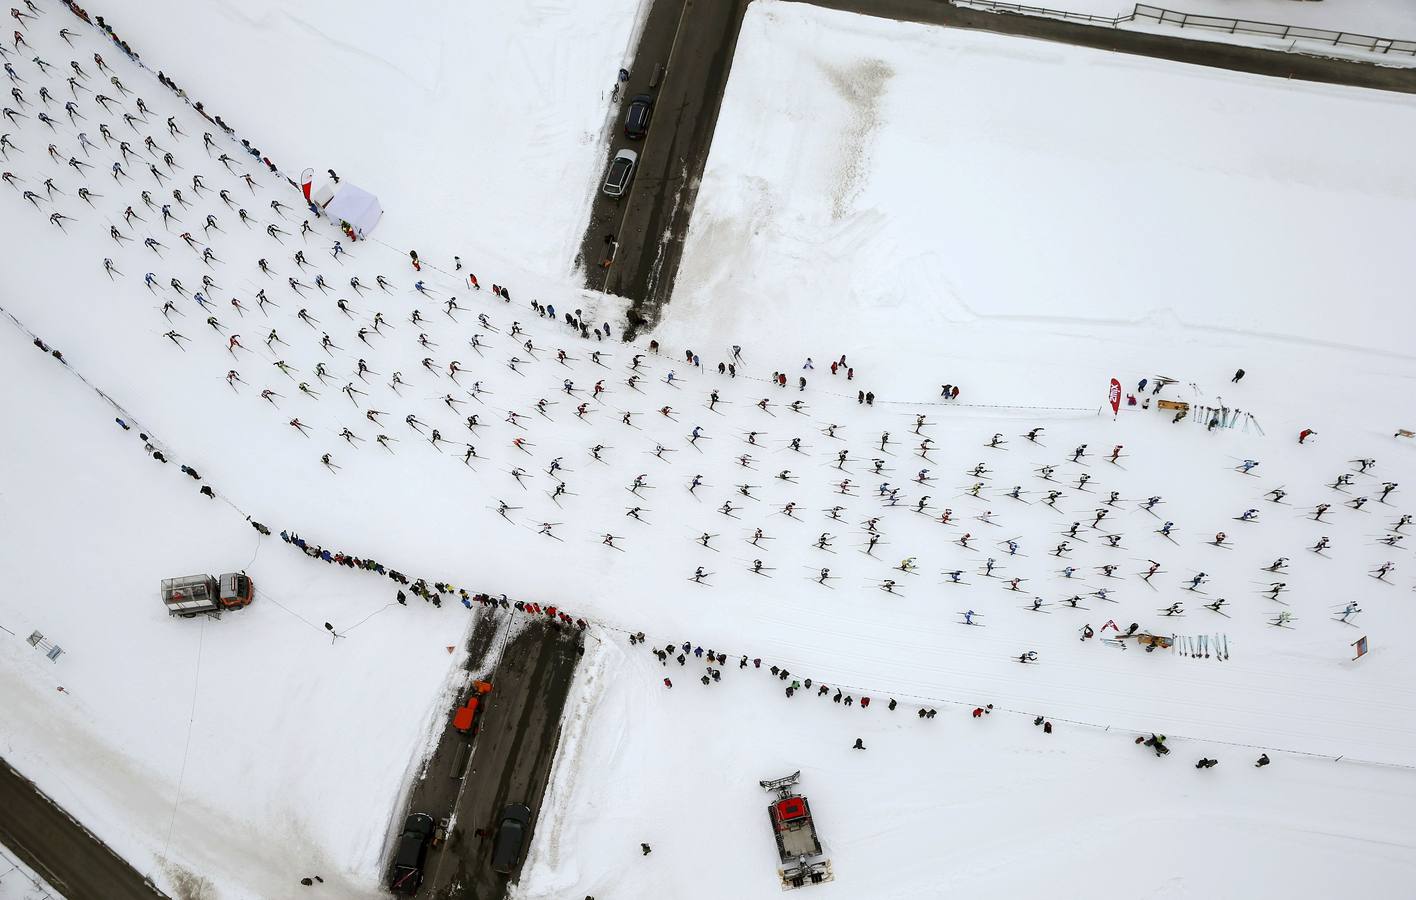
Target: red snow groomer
(798, 847)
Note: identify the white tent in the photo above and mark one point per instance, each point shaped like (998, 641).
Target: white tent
(356, 206)
(324, 193)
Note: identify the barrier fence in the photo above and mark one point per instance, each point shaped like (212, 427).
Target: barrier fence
(1144, 12)
(1020, 9)
(1364, 42)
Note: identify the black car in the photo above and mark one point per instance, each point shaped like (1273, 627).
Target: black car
(636, 120)
(412, 852)
(511, 838)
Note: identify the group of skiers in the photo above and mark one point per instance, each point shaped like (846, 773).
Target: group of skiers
(434, 592)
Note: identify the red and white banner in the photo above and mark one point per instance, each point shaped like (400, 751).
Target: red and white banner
(1115, 395)
(307, 181)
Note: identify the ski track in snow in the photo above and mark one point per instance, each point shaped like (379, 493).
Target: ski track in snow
(302, 749)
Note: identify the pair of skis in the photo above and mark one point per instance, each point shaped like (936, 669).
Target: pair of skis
(1197, 646)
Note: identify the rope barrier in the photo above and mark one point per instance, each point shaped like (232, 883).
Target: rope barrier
(860, 689)
(187, 747)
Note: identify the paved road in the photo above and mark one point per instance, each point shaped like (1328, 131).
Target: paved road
(74, 862)
(696, 40)
(510, 758)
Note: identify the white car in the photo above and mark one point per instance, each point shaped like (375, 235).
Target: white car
(621, 170)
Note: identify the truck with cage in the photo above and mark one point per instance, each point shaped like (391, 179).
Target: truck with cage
(192, 595)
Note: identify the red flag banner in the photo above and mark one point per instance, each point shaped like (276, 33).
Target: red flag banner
(307, 180)
(1115, 395)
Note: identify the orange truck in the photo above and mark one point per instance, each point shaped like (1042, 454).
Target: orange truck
(465, 716)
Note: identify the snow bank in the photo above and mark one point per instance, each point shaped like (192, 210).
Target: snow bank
(552, 863)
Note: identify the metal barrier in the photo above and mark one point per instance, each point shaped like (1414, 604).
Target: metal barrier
(1019, 9)
(1144, 12)
(1363, 42)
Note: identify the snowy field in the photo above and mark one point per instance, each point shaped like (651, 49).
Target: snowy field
(1027, 244)
(1010, 216)
(905, 202)
(480, 126)
(291, 753)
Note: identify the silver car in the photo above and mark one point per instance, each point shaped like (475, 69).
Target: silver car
(621, 170)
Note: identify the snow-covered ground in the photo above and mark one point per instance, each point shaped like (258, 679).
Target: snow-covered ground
(952, 218)
(19, 882)
(1013, 216)
(478, 125)
(950, 807)
(289, 752)
(1012, 239)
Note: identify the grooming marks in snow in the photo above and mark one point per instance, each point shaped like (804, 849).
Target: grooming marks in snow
(1020, 220)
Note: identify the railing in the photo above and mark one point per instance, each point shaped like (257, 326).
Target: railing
(1364, 42)
(1019, 9)
(1143, 12)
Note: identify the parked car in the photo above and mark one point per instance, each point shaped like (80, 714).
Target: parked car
(621, 170)
(411, 854)
(511, 838)
(636, 119)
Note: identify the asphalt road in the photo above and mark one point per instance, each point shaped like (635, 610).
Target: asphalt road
(696, 39)
(74, 862)
(509, 759)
